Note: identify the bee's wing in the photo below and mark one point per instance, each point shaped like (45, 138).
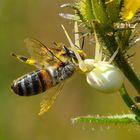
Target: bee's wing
(39, 52)
(46, 104)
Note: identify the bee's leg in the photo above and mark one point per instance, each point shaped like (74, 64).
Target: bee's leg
(25, 59)
(81, 63)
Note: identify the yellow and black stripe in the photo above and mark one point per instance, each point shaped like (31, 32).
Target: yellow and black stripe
(33, 83)
(41, 80)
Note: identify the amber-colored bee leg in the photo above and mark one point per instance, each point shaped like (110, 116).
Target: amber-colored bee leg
(24, 59)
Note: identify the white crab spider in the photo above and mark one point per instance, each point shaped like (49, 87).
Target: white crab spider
(100, 74)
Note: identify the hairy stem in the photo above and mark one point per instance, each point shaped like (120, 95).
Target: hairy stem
(133, 107)
(121, 119)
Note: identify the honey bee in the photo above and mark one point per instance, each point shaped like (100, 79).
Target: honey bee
(55, 64)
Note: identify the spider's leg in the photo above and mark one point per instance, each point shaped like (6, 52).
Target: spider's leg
(98, 51)
(77, 37)
(113, 56)
(109, 1)
(81, 63)
(105, 58)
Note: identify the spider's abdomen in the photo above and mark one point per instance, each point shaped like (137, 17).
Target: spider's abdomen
(105, 78)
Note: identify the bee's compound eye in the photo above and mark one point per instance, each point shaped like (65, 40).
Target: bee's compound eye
(106, 78)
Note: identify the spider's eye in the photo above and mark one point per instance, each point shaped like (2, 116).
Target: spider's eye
(105, 78)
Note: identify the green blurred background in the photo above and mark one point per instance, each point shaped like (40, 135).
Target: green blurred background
(18, 115)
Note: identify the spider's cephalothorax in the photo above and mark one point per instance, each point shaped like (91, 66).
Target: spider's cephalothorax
(100, 73)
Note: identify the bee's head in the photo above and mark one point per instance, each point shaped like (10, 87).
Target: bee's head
(70, 53)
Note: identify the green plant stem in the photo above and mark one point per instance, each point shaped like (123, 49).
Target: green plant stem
(122, 119)
(129, 102)
(128, 71)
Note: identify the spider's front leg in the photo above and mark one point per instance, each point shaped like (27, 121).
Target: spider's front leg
(81, 63)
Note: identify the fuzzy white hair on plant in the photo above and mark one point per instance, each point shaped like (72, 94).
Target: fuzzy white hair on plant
(100, 73)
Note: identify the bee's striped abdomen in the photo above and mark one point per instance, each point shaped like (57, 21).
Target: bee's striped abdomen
(43, 79)
(33, 83)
